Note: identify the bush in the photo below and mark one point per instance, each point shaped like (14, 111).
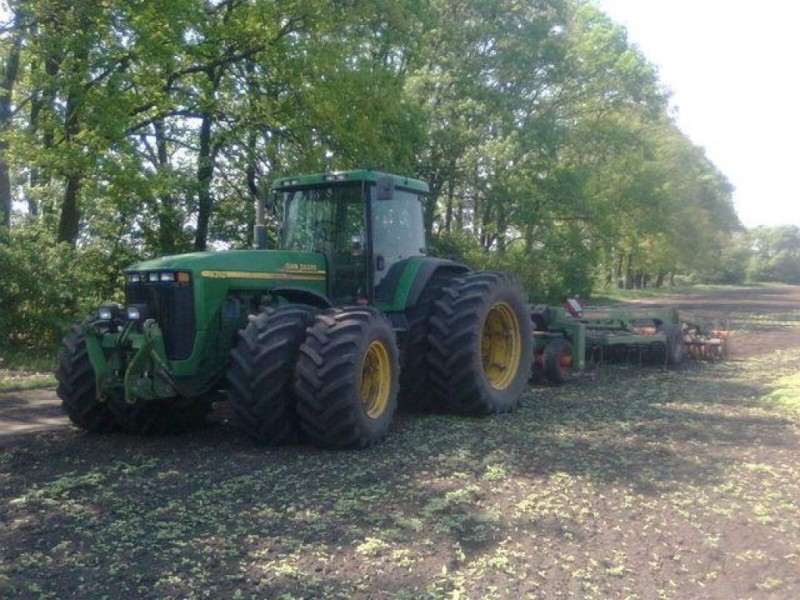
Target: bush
(47, 286)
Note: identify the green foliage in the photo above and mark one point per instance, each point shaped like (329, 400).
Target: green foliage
(151, 128)
(775, 254)
(460, 246)
(47, 286)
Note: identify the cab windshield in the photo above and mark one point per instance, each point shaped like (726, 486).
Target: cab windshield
(324, 219)
(331, 220)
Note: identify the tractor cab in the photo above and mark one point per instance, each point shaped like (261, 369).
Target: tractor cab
(363, 222)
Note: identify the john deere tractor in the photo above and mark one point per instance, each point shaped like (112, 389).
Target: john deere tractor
(318, 340)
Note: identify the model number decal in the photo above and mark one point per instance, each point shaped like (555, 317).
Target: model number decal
(301, 267)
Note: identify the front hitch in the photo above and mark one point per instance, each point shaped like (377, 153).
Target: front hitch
(129, 361)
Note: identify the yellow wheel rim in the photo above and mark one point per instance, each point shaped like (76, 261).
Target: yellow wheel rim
(501, 346)
(376, 380)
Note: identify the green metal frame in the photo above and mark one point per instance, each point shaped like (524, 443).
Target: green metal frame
(604, 328)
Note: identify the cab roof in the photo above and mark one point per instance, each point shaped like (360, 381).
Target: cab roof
(356, 175)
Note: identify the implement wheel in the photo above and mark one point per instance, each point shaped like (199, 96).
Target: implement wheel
(558, 359)
(676, 348)
(77, 386)
(481, 345)
(347, 378)
(261, 376)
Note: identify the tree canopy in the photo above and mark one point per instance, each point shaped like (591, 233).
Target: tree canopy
(135, 129)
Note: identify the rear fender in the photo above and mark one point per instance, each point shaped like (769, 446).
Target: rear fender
(407, 279)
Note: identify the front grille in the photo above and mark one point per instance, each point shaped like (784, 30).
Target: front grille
(172, 306)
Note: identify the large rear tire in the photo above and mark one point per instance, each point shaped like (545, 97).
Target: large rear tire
(261, 395)
(347, 378)
(415, 393)
(480, 345)
(77, 386)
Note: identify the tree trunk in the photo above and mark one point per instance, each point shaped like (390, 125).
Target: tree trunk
(169, 224)
(501, 222)
(9, 71)
(43, 100)
(36, 176)
(205, 172)
(69, 221)
(448, 207)
(629, 273)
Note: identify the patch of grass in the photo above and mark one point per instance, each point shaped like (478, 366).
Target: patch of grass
(786, 394)
(614, 295)
(26, 370)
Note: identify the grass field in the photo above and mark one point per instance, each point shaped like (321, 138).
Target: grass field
(629, 483)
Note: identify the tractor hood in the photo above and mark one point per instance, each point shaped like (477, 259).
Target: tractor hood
(274, 265)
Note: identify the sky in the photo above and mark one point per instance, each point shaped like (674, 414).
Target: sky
(734, 70)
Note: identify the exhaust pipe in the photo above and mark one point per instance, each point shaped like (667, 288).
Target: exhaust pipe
(260, 230)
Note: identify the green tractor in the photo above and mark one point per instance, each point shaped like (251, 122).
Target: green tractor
(319, 340)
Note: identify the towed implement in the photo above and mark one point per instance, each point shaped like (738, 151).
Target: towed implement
(570, 337)
(318, 340)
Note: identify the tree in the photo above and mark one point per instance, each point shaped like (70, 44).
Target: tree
(9, 70)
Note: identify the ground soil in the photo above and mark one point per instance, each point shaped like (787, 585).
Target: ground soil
(627, 482)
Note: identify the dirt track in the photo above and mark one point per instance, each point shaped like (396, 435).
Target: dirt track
(639, 484)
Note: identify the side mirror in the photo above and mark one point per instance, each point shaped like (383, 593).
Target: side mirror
(384, 188)
(380, 263)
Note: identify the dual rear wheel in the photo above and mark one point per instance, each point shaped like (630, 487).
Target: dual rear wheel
(333, 377)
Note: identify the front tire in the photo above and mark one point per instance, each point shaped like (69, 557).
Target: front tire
(481, 345)
(77, 386)
(261, 395)
(347, 378)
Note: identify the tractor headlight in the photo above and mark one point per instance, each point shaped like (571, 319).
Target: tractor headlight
(137, 312)
(159, 277)
(108, 312)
